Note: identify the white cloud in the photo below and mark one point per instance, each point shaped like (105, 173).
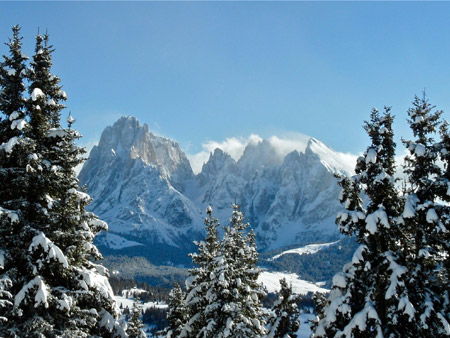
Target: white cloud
(289, 142)
(234, 146)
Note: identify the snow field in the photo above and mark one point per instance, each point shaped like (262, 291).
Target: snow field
(271, 280)
(305, 250)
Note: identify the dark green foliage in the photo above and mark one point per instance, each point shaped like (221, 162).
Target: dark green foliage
(423, 224)
(156, 319)
(397, 278)
(177, 313)
(48, 277)
(284, 322)
(135, 324)
(198, 282)
(12, 84)
(234, 294)
(366, 287)
(223, 297)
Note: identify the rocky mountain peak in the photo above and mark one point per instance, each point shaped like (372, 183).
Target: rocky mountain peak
(257, 156)
(128, 140)
(121, 136)
(218, 161)
(143, 185)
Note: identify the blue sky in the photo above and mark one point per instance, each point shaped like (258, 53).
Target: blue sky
(199, 72)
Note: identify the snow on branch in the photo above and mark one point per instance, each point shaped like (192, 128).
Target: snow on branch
(410, 206)
(98, 224)
(13, 216)
(445, 324)
(80, 196)
(375, 218)
(40, 296)
(95, 280)
(408, 309)
(397, 271)
(52, 250)
(36, 94)
(360, 320)
(8, 146)
(54, 132)
(18, 124)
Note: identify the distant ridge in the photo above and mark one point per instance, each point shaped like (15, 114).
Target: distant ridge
(144, 187)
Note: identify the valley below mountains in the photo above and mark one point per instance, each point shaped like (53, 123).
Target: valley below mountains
(143, 186)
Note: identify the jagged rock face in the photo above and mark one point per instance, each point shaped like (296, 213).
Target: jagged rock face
(259, 156)
(127, 140)
(136, 180)
(287, 201)
(143, 185)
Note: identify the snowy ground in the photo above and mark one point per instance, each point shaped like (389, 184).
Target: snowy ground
(305, 325)
(271, 280)
(116, 242)
(124, 302)
(308, 249)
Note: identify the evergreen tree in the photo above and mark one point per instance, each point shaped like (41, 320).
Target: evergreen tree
(368, 294)
(54, 288)
(12, 85)
(176, 315)
(13, 162)
(285, 323)
(198, 283)
(234, 295)
(135, 325)
(320, 305)
(423, 221)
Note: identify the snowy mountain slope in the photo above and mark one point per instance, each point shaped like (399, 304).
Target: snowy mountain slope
(144, 187)
(288, 201)
(115, 242)
(271, 280)
(136, 180)
(305, 250)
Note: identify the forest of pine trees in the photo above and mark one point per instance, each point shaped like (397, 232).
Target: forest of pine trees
(396, 285)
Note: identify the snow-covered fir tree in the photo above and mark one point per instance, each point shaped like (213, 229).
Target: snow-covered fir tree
(223, 295)
(12, 89)
(176, 314)
(424, 220)
(47, 274)
(135, 324)
(234, 295)
(12, 163)
(284, 322)
(198, 283)
(368, 295)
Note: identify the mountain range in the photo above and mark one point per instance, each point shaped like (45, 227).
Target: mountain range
(144, 187)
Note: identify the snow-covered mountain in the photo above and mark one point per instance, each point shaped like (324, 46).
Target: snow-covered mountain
(144, 187)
